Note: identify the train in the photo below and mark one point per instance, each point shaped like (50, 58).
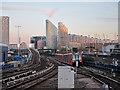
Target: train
(69, 58)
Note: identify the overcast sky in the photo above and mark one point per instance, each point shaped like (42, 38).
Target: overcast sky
(81, 18)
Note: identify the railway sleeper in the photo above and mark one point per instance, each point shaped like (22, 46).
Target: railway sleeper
(5, 80)
(10, 83)
(19, 80)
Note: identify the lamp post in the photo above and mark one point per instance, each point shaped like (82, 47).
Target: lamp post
(89, 43)
(103, 46)
(18, 38)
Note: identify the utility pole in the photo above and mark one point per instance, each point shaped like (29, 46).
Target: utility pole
(18, 38)
(89, 43)
(104, 41)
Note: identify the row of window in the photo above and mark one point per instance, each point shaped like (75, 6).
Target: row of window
(65, 58)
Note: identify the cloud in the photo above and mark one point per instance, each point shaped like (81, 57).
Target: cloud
(46, 11)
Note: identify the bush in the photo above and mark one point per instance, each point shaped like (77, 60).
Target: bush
(88, 59)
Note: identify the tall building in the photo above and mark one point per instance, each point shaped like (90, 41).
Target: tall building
(51, 35)
(119, 35)
(69, 37)
(4, 37)
(62, 35)
(4, 22)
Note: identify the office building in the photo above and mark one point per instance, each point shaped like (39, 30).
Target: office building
(69, 37)
(51, 35)
(4, 22)
(4, 37)
(41, 43)
(62, 35)
(35, 39)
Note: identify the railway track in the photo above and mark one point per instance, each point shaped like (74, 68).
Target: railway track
(45, 77)
(18, 70)
(37, 67)
(39, 72)
(29, 80)
(33, 63)
(113, 84)
(111, 74)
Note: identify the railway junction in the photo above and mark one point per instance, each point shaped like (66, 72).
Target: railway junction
(41, 71)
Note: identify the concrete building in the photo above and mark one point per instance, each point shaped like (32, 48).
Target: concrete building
(12, 46)
(4, 37)
(4, 25)
(69, 37)
(119, 38)
(108, 48)
(62, 35)
(3, 52)
(82, 41)
(34, 40)
(51, 35)
(74, 37)
(74, 45)
(23, 45)
(78, 39)
(15, 46)
(41, 43)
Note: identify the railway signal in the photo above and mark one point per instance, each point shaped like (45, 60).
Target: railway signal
(76, 57)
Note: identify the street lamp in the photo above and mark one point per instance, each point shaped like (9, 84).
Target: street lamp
(103, 45)
(89, 43)
(18, 38)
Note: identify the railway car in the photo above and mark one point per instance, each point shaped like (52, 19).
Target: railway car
(69, 59)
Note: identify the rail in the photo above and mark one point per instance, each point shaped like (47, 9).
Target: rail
(101, 66)
(113, 84)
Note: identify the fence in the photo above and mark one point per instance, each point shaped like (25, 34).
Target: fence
(11, 66)
(6, 67)
(101, 66)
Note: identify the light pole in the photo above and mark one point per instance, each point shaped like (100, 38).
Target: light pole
(89, 43)
(103, 46)
(18, 38)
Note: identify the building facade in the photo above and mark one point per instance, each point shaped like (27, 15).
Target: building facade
(12, 46)
(4, 22)
(15, 46)
(4, 37)
(62, 35)
(35, 40)
(51, 35)
(23, 45)
(41, 43)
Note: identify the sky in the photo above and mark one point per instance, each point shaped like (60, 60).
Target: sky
(81, 18)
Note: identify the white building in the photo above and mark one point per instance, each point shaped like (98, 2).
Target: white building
(4, 37)
(4, 30)
(108, 48)
(51, 35)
